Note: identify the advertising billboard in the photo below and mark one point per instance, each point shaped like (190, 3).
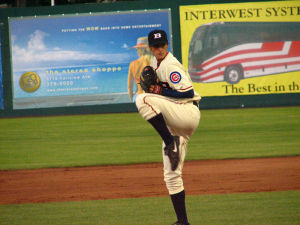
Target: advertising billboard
(243, 48)
(76, 60)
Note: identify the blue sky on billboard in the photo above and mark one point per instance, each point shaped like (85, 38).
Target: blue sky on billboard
(57, 41)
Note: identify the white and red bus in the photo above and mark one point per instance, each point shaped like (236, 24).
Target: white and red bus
(231, 51)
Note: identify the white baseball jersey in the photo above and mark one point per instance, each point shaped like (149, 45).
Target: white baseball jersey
(172, 73)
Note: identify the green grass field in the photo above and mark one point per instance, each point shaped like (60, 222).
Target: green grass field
(270, 208)
(85, 140)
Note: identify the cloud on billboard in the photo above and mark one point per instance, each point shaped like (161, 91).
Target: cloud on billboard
(35, 53)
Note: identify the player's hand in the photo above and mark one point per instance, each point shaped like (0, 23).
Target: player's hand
(155, 89)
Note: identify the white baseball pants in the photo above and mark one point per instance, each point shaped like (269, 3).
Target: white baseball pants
(182, 120)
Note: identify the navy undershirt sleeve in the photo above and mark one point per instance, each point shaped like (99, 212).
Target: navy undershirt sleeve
(176, 94)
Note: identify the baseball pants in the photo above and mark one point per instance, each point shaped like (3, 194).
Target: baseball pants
(182, 120)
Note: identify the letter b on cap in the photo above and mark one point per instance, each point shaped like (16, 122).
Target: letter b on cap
(157, 35)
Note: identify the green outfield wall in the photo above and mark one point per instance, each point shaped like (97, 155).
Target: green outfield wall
(181, 18)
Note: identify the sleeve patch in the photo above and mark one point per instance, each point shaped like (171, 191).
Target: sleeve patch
(175, 77)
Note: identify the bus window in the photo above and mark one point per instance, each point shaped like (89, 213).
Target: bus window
(197, 46)
(212, 47)
(224, 39)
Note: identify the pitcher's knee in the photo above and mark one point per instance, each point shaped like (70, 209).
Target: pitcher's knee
(147, 106)
(139, 100)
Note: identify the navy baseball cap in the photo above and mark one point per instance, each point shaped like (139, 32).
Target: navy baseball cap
(157, 38)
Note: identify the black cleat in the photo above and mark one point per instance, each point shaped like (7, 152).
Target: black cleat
(180, 223)
(172, 151)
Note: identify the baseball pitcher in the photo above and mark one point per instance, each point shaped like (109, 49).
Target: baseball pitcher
(170, 105)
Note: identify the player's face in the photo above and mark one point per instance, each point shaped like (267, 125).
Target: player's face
(160, 52)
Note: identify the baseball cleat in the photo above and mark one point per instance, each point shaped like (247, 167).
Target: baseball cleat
(180, 223)
(172, 151)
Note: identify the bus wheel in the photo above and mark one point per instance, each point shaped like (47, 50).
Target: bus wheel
(233, 74)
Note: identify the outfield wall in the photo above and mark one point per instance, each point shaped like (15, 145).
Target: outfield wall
(54, 49)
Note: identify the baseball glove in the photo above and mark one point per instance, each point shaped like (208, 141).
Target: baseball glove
(149, 81)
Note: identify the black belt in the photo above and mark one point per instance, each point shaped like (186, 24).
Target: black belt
(195, 103)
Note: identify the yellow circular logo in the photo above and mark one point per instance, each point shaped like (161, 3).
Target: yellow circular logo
(30, 81)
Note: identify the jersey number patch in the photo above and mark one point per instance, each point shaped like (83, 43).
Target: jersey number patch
(175, 77)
